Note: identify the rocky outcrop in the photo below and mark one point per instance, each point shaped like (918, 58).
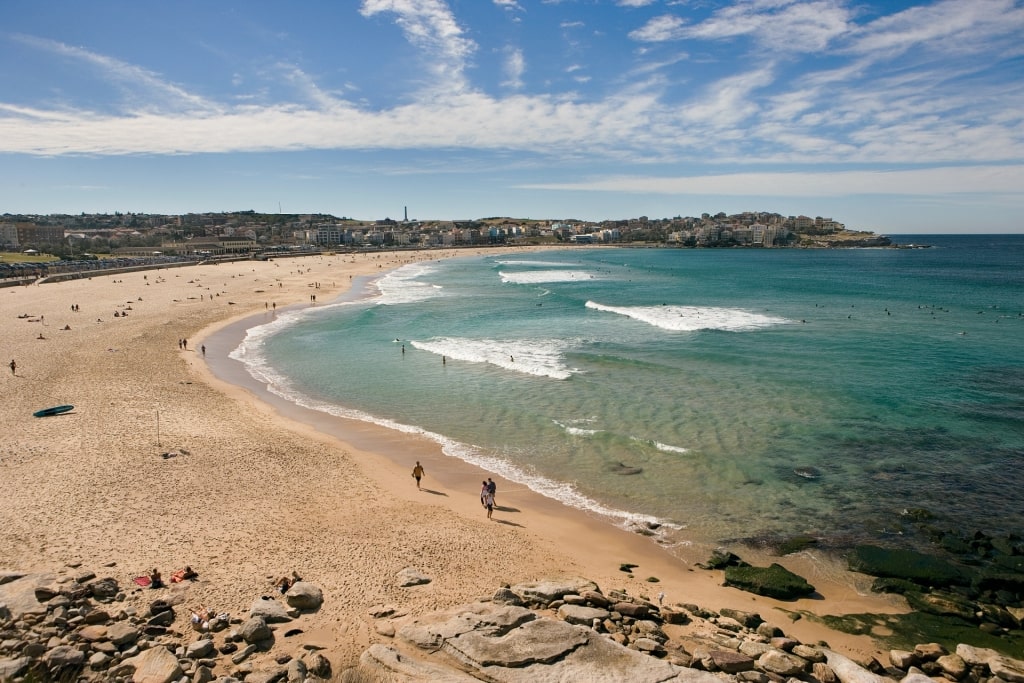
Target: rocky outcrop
(572, 631)
(74, 626)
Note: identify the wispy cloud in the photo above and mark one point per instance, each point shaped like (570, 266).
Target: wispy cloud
(924, 182)
(515, 66)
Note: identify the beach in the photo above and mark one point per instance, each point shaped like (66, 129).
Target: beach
(166, 462)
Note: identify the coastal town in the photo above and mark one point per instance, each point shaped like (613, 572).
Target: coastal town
(247, 232)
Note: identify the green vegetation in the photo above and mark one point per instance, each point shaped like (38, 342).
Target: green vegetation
(18, 257)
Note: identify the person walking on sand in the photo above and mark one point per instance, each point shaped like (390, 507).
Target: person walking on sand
(14, 367)
(418, 472)
(492, 489)
(483, 493)
(489, 503)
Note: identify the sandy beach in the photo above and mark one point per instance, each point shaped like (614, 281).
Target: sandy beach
(253, 489)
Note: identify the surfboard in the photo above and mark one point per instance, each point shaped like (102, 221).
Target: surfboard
(55, 410)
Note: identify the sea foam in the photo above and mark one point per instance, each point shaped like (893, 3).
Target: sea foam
(693, 318)
(402, 286)
(539, 357)
(250, 354)
(533, 277)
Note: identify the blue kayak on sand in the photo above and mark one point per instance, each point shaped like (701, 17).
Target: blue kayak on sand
(56, 410)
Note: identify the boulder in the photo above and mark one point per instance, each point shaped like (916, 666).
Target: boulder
(782, 663)
(155, 665)
(926, 570)
(578, 614)
(255, 630)
(774, 581)
(848, 671)
(548, 591)
(12, 668)
(304, 595)
(411, 577)
(728, 661)
(270, 610)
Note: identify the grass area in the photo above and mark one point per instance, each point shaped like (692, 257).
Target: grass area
(18, 257)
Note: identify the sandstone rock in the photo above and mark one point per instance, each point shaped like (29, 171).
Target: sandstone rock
(296, 671)
(93, 633)
(255, 630)
(848, 671)
(319, 666)
(63, 657)
(823, 673)
(505, 596)
(753, 649)
(811, 654)
(270, 610)
(385, 628)
(430, 631)
(12, 668)
(155, 665)
(243, 654)
(1011, 670)
(578, 614)
(199, 649)
(411, 577)
(381, 611)
(596, 599)
(929, 652)
(901, 659)
(547, 591)
(385, 663)
(121, 633)
(631, 609)
(304, 595)
(953, 664)
(781, 663)
(728, 661)
(104, 590)
(747, 619)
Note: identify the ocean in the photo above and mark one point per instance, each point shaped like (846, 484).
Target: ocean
(714, 395)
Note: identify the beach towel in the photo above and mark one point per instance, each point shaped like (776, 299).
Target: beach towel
(142, 580)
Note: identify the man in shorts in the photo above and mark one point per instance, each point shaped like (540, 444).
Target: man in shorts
(418, 473)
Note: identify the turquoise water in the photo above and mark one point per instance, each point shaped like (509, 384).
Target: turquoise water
(891, 379)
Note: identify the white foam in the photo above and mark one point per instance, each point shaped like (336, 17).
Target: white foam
(402, 286)
(693, 318)
(250, 355)
(664, 447)
(525, 262)
(539, 357)
(577, 431)
(533, 277)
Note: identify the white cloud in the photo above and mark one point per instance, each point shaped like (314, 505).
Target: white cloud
(431, 26)
(515, 66)
(660, 29)
(508, 4)
(780, 24)
(635, 3)
(933, 181)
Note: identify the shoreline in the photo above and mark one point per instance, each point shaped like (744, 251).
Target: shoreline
(267, 486)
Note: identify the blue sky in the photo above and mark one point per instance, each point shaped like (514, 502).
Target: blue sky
(893, 116)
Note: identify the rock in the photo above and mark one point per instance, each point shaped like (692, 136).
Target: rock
(13, 668)
(270, 610)
(635, 610)
(121, 633)
(296, 671)
(199, 649)
(926, 570)
(901, 659)
(953, 664)
(929, 652)
(304, 595)
(411, 577)
(671, 616)
(243, 654)
(255, 630)
(728, 662)
(578, 614)
(165, 618)
(385, 628)
(63, 658)
(781, 663)
(381, 611)
(104, 590)
(1010, 670)
(811, 654)
(544, 592)
(155, 665)
(505, 596)
(385, 663)
(774, 581)
(747, 619)
(93, 633)
(319, 666)
(848, 671)
(823, 673)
